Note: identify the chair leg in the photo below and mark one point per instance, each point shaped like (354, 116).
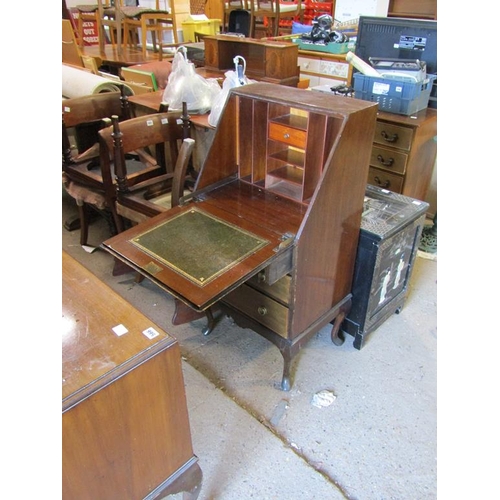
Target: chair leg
(84, 222)
(144, 33)
(80, 30)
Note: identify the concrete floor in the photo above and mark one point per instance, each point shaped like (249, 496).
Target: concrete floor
(377, 440)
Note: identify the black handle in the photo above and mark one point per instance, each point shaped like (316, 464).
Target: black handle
(387, 183)
(389, 138)
(387, 163)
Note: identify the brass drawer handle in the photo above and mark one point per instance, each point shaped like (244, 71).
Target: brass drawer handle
(387, 163)
(387, 183)
(389, 138)
(262, 310)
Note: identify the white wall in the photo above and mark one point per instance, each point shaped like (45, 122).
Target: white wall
(346, 10)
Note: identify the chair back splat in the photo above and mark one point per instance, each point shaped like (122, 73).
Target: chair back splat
(147, 192)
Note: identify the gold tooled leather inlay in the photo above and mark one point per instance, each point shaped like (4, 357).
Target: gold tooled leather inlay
(198, 245)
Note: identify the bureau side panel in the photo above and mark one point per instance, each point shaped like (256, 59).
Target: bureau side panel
(329, 234)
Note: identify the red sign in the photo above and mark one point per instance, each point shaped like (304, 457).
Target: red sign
(90, 34)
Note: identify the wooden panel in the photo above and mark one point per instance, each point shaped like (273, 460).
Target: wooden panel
(424, 9)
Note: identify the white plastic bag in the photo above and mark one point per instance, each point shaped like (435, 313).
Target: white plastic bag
(185, 85)
(233, 79)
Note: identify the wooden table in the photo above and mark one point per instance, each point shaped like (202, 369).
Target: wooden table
(111, 56)
(125, 424)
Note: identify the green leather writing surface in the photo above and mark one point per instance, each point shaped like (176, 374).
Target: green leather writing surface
(198, 245)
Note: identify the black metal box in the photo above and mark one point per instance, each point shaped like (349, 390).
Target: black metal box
(391, 226)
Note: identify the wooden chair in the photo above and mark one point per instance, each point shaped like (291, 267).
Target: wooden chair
(154, 21)
(141, 198)
(272, 12)
(83, 178)
(70, 51)
(90, 13)
(158, 186)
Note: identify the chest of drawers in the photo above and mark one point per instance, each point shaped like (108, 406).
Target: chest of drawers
(403, 152)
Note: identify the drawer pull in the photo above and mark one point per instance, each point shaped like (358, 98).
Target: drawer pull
(387, 163)
(286, 136)
(389, 138)
(386, 184)
(262, 310)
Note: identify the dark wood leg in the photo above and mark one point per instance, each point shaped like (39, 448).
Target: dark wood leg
(286, 382)
(337, 335)
(84, 223)
(184, 314)
(210, 322)
(120, 268)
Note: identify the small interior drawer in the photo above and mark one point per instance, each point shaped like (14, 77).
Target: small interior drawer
(389, 159)
(385, 180)
(287, 135)
(393, 135)
(279, 291)
(260, 307)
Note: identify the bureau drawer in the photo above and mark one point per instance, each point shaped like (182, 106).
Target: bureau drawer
(389, 159)
(386, 180)
(279, 291)
(260, 307)
(287, 135)
(393, 135)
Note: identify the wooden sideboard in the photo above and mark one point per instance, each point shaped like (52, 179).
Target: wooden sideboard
(125, 426)
(266, 60)
(271, 230)
(404, 152)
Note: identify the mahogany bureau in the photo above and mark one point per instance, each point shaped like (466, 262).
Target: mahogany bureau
(270, 232)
